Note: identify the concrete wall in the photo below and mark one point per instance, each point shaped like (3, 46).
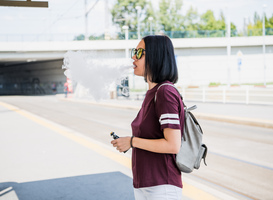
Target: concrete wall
(206, 65)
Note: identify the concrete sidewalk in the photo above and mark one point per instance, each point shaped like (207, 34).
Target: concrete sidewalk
(252, 115)
(43, 160)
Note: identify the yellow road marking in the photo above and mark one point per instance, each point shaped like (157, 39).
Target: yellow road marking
(89, 144)
(188, 190)
(196, 194)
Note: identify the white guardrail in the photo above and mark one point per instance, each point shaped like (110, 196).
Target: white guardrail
(245, 94)
(240, 94)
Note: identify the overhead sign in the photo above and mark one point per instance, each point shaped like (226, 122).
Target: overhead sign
(27, 3)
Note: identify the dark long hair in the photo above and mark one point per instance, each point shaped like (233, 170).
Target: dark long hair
(160, 63)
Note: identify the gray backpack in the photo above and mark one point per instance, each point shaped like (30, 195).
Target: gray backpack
(192, 151)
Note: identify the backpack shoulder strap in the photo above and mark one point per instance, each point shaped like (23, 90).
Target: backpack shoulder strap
(173, 87)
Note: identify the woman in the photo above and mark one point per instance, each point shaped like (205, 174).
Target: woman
(158, 127)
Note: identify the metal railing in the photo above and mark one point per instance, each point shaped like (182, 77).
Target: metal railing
(245, 95)
(132, 35)
(198, 33)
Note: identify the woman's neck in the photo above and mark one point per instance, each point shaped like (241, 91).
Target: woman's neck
(151, 84)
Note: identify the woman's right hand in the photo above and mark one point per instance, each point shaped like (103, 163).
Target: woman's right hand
(122, 144)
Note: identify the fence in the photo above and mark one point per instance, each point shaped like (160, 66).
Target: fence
(245, 95)
(199, 33)
(132, 35)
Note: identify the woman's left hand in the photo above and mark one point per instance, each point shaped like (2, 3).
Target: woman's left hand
(122, 144)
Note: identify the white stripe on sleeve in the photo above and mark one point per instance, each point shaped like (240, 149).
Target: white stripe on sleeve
(169, 115)
(169, 121)
(169, 118)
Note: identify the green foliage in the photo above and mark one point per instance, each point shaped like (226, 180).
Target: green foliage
(208, 21)
(100, 37)
(79, 37)
(124, 12)
(213, 84)
(256, 28)
(151, 13)
(168, 17)
(91, 37)
(191, 20)
(269, 22)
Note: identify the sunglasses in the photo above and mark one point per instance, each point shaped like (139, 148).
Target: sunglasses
(138, 52)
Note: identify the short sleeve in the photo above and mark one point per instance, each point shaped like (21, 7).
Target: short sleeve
(167, 107)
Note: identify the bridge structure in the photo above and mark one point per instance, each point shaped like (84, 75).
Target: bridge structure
(32, 67)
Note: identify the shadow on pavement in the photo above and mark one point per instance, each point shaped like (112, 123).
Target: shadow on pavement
(113, 185)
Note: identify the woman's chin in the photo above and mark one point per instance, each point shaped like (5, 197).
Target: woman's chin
(136, 73)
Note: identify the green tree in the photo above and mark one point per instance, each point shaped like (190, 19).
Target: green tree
(191, 20)
(221, 23)
(169, 15)
(124, 12)
(256, 28)
(216, 27)
(257, 18)
(79, 37)
(269, 22)
(207, 21)
(269, 26)
(150, 12)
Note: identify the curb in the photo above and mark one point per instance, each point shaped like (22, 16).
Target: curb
(236, 120)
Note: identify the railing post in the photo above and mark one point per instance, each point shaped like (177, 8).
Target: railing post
(247, 95)
(224, 95)
(183, 92)
(204, 95)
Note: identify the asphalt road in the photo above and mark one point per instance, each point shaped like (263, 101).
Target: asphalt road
(240, 160)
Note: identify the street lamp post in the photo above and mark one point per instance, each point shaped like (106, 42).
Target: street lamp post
(88, 8)
(138, 21)
(86, 21)
(228, 48)
(245, 26)
(125, 28)
(264, 6)
(151, 30)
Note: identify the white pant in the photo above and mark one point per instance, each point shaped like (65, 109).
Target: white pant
(161, 192)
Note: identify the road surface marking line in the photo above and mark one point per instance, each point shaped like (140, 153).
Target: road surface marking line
(89, 144)
(188, 190)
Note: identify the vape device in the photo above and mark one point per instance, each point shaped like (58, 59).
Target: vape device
(116, 137)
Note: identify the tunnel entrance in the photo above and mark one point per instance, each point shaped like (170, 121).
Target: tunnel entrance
(34, 78)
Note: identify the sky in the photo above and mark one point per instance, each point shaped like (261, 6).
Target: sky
(66, 17)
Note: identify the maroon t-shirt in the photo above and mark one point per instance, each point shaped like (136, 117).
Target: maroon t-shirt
(152, 169)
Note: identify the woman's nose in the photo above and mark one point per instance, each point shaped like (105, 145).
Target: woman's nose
(134, 58)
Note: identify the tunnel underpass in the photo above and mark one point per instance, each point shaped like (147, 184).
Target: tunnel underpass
(32, 78)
